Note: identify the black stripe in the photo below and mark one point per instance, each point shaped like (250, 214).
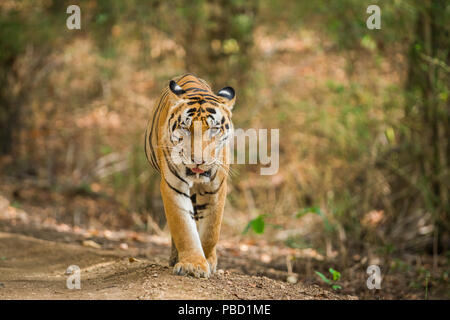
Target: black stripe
(156, 115)
(200, 207)
(145, 145)
(214, 191)
(152, 156)
(199, 101)
(185, 83)
(176, 190)
(196, 215)
(187, 74)
(172, 169)
(203, 96)
(210, 97)
(214, 175)
(196, 89)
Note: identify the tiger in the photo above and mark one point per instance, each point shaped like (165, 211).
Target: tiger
(193, 187)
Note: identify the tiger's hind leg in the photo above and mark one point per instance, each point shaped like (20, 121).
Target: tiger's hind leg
(173, 255)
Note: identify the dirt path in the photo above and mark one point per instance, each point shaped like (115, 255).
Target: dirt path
(32, 268)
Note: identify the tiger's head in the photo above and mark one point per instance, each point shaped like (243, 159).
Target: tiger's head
(199, 127)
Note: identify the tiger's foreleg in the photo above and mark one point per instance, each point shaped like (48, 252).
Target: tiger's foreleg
(179, 211)
(209, 226)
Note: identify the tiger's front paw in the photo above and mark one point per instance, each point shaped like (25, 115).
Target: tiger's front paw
(196, 266)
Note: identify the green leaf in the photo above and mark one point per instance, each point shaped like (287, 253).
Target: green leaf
(247, 227)
(102, 18)
(336, 274)
(105, 150)
(304, 211)
(368, 43)
(322, 276)
(258, 224)
(336, 287)
(390, 134)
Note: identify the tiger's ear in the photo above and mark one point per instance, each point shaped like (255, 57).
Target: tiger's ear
(229, 94)
(176, 89)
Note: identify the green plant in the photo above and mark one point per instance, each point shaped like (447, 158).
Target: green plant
(336, 276)
(258, 225)
(316, 210)
(16, 205)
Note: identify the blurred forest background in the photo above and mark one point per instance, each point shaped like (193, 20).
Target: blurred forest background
(363, 117)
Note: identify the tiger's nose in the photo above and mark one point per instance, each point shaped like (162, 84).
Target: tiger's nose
(197, 160)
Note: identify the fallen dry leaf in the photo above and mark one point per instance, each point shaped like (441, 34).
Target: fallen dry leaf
(92, 244)
(132, 259)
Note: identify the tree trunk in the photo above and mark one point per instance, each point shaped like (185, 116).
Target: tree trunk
(427, 110)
